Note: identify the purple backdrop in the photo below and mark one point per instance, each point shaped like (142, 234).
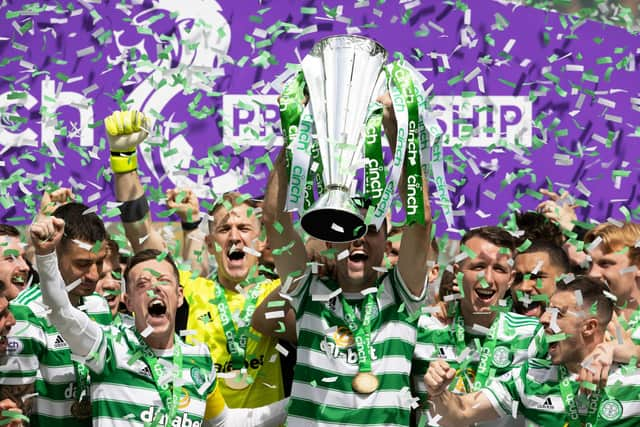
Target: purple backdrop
(64, 69)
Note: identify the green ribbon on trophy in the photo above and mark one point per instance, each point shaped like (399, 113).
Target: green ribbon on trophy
(402, 79)
(304, 165)
(374, 172)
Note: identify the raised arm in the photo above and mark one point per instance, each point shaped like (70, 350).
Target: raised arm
(125, 130)
(416, 238)
(454, 409)
(194, 247)
(75, 326)
(289, 254)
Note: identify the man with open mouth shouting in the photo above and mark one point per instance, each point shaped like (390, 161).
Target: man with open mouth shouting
(39, 369)
(480, 338)
(142, 374)
(355, 331)
(14, 270)
(219, 309)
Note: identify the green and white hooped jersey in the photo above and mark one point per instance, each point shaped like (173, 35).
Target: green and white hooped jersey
(123, 392)
(38, 353)
(535, 388)
(518, 339)
(327, 359)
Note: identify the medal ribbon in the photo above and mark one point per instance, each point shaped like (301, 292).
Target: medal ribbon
(361, 330)
(169, 393)
(486, 357)
(569, 400)
(458, 330)
(82, 381)
(82, 378)
(236, 337)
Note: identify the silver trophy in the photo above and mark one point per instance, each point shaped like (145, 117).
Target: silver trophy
(344, 75)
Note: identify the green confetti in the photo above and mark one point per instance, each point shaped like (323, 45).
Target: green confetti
(556, 337)
(96, 247)
(524, 246)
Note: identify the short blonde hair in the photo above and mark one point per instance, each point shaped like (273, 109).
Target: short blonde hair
(616, 238)
(232, 199)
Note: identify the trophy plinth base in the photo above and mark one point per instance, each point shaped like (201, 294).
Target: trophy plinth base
(334, 218)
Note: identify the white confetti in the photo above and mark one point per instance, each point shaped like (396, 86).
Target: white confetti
(82, 245)
(370, 290)
(630, 269)
(147, 331)
(336, 227)
(327, 297)
(73, 285)
(594, 244)
(538, 266)
(452, 297)
(282, 350)
(279, 314)
(251, 251)
(480, 329)
(342, 255)
(28, 396)
(611, 296)
(579, 300)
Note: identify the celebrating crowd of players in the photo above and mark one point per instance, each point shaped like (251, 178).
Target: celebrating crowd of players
(535, 321)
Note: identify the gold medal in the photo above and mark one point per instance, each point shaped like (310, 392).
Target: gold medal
(365, 383)
(239, 380)
(81, 410)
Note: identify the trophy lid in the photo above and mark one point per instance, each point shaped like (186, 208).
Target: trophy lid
(348, 41)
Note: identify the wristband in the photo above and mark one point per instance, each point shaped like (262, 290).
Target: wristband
(134, 210)
(123, 162)
(188, 226)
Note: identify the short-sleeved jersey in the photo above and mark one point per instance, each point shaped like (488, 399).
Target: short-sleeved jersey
(262, 360)
(518, 338)
(38, 353)
(123, 392)
(327, 358)
(535, 388)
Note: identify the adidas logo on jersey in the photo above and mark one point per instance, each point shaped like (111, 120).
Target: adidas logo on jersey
(179, 421)
(145, 372)
(547, 404)
(59, 342)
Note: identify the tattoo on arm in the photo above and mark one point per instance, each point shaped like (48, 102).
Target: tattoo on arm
(16, 393)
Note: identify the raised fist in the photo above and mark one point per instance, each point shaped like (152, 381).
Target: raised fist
(52, 200)
(185, 203)
(438, 377)
(46, 233)
(126, 129)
